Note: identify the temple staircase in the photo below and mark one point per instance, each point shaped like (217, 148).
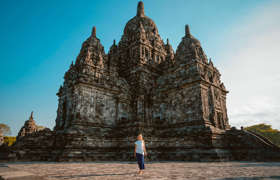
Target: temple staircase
(263, 139)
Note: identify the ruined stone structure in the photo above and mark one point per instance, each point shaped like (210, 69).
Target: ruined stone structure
(32, 143)
(176, 99)
(29, 127)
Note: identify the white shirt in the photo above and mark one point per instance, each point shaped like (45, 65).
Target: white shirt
(140, 147)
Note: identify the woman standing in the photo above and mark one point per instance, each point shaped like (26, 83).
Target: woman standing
(139, 152)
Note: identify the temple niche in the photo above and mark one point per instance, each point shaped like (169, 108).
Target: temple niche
(174, 98)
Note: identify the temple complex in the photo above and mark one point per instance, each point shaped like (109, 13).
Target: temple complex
(174, 98)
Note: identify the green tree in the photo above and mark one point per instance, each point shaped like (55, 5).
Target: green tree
(267, 131)
(5, 129)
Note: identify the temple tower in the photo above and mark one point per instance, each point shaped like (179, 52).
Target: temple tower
(141, 55)
(191, 59)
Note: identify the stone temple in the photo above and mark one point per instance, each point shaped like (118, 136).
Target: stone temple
(141, 85)
(175, 99)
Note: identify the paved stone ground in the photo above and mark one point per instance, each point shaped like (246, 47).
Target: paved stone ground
(154, 170)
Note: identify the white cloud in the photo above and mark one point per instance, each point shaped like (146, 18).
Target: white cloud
(250, 68)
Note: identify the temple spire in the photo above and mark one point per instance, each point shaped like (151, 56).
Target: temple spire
(114, 42)
(140, 9)
(31, 116)
(93, 33)
(187, 31)
(167, 41)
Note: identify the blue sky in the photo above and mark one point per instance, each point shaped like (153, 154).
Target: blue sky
(39, 39)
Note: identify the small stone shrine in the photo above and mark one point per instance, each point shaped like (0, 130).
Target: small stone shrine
(28, 128)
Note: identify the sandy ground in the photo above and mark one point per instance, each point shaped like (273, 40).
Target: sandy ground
(154, 170)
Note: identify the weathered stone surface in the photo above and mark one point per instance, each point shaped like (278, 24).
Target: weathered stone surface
(176, 100)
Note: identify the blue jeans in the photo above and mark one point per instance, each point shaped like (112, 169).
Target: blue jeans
(140, 160)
